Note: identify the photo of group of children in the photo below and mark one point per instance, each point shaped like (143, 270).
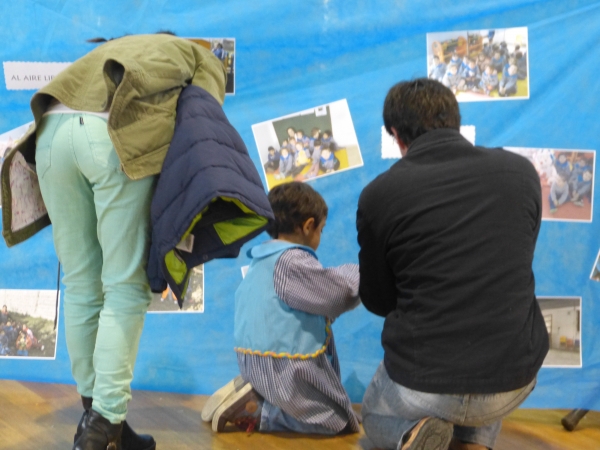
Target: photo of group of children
(480, 65)
(224, 49)
(193, 301)
(567, 178)
(563, 322)
(595, 276)
(27, 323)
(309, 144)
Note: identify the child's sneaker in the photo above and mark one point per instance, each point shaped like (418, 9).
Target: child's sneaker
(430, 433)
(243, 409)
(219, 397)
(578, 202)
(552, 210)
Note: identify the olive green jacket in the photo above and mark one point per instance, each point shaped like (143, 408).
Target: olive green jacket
(136, 78)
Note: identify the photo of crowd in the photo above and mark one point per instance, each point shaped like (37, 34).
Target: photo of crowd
(224, 49)
(193, 301)
(595, 276)
(481, 65)
(27, 324)
(567, 178)
(562, 316)
(307, 145)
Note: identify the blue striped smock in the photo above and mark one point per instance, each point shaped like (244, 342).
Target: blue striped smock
(309, 390)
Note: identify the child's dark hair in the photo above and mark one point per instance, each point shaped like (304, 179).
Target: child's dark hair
(293, 204)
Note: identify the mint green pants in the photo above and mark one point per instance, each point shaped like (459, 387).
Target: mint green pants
(101, 230)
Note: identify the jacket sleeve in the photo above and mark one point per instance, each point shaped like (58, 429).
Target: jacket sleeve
(377, 282)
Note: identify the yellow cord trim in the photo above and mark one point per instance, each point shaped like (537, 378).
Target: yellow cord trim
(302, 356)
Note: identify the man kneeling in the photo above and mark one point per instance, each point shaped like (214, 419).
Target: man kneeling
(447, 237)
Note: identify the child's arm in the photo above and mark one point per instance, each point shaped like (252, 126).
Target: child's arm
(304, 284)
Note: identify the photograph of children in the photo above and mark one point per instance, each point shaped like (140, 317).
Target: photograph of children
(193, 301)
(563, 322)
(8, 140)
(595, 276)
(481, 65)
(27, 323)
(224, 49)
(309, 144)
(567, 178)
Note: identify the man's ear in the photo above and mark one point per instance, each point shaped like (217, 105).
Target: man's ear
(403, 147)
(308, 225)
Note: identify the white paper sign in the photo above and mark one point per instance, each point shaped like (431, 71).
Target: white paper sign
(390, 150)
(20, 75)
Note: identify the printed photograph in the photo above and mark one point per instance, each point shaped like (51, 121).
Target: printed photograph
(567, 178)
(310, 144)
(27, 323)
(563, 322)
(481, 65)
(224, 49)
(193, 301)
(595, 276)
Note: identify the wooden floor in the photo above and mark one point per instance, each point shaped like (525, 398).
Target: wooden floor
(37, 416)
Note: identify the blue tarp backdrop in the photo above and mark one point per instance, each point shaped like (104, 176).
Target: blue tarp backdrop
(292, 56)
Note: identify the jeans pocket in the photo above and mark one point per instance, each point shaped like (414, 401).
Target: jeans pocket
(102, 148)
(43, 143)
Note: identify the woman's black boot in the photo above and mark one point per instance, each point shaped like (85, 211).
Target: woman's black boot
(99, 434)
(87, 405)
(130, 440)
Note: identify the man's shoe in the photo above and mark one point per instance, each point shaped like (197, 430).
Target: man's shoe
(219, 397)
(243, 409)
(430, 433)
(99, 434)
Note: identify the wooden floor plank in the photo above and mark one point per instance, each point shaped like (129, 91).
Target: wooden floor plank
(37, 416)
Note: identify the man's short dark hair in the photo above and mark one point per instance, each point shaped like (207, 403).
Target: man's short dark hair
(415, 107)
(293, 204)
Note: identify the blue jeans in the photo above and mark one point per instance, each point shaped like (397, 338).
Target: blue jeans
(101, 230)
(273, 418)
(389, 410)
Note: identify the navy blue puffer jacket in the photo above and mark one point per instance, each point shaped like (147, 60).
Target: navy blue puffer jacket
(209, 199)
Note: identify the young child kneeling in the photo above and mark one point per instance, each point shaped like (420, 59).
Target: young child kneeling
(290, 375)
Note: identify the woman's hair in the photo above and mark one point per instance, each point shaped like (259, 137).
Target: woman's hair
(293, 204)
